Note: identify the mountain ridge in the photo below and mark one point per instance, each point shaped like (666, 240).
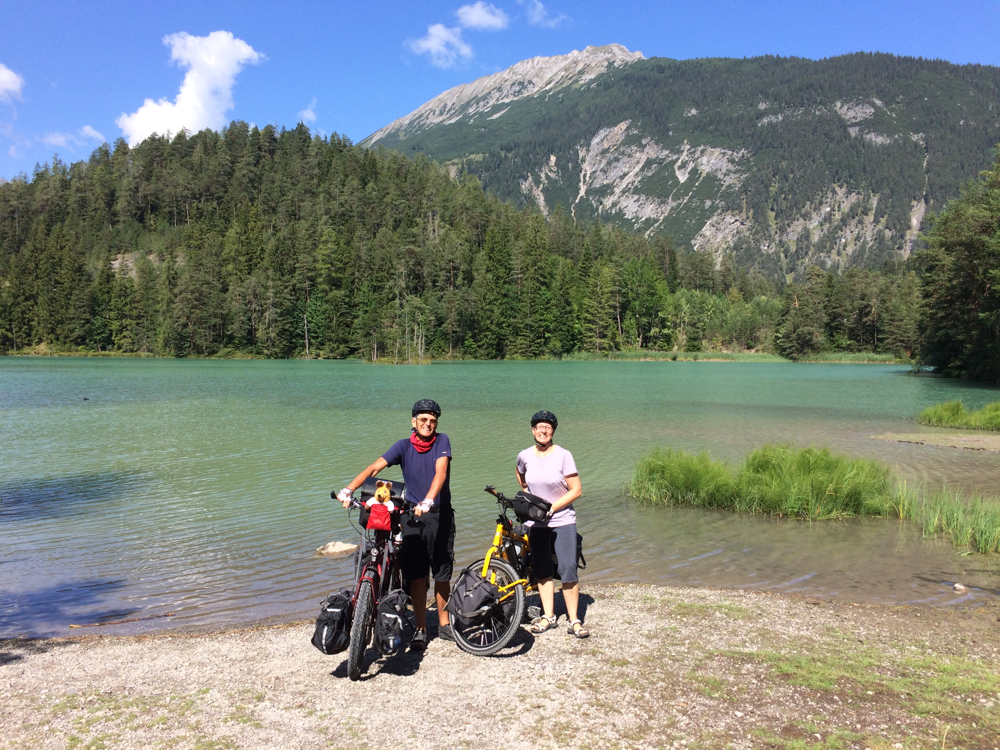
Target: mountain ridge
(781, 162)
(526, 78)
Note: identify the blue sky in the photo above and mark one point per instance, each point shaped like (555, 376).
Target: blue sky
(73, 74)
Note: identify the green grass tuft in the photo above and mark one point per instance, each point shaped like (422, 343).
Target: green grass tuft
(954, 414)
(812, 483)
(853, 358)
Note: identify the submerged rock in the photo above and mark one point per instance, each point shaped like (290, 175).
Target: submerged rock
(336, 549)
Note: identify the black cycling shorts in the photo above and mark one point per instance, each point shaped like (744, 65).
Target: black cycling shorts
(428, 542)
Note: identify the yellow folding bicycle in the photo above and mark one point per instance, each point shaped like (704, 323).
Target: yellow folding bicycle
(507, 566)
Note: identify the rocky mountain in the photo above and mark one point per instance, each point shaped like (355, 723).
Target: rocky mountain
(527, 78)
(783, 162)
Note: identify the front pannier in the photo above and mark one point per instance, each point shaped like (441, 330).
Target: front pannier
(333, 626)
(472, 597)
(528, 507)
(390, 621)
(379, 518)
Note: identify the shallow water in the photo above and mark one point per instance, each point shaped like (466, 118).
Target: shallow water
(134, 488)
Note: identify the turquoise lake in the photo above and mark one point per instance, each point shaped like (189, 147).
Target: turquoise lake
(132, 488)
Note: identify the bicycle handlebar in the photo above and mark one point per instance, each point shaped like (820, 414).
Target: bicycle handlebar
(401, 505)
(502, 498)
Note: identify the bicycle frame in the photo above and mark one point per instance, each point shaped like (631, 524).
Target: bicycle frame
(505, 531)
(381, 563)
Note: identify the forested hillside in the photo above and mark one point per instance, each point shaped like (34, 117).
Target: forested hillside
(783, 162)
(279, 243)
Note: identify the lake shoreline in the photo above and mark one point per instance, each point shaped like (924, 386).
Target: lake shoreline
(624, 356)
(664, 665)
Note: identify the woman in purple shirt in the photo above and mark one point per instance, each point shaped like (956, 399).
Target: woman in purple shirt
(548, 471)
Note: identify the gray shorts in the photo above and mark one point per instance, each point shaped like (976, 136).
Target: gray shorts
(562, 540)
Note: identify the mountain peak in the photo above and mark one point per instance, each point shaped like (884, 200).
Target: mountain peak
(526, 78)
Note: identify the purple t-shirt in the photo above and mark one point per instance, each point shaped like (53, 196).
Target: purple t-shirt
(546, 478)
(419, 468)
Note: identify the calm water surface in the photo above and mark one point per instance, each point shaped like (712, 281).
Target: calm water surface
(133, 488)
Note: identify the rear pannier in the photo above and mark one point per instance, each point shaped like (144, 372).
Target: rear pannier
(472, 597)
(333, 626)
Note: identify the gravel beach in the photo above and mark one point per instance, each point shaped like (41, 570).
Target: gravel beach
(665, 667)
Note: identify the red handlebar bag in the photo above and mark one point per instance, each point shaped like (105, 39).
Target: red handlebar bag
(379, 518)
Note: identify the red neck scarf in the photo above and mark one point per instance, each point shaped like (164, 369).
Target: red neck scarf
(420, 444)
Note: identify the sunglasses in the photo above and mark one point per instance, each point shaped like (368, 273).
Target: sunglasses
(426, 420)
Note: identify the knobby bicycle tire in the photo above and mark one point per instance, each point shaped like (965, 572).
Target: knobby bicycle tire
(360, 630)
(488, 634)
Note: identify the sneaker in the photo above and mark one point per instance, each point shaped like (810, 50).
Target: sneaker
(445, 633)
(419, 641)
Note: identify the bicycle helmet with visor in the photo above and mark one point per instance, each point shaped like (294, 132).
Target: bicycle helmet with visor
(426, 406)
(545, 416)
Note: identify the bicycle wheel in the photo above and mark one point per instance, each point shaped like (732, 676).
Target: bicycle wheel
(493, 631)
(360, 630)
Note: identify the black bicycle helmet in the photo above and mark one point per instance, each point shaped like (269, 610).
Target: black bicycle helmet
(426, 406)
(544, 416)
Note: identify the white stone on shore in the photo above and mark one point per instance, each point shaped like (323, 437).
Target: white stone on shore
(336, 549)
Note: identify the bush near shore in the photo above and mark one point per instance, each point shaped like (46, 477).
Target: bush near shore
(815, 484)
(954, 414)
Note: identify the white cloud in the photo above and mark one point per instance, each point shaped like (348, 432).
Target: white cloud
(62, 140)
(539, 16)
(57, 139)
(10, 84)
(88, 132)
(309, 113)
(482, 16)
(206, 94)
(444, 45)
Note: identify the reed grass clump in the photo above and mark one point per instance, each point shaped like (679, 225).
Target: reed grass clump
(852, 358)
(773, 479)
(649, 355)
(669, 477)
(970, 522)
(954, 414)
(815, 484)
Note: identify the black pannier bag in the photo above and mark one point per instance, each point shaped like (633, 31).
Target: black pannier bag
(390, 622)
(397, 491)
(333, 626)
(472, 597)
(528, 507)
(581, 561)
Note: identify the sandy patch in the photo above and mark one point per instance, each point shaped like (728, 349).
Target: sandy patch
(983, 441)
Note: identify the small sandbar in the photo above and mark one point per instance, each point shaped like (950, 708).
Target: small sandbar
(980, 442)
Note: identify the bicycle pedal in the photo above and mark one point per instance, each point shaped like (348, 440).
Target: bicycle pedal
(534, 612)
